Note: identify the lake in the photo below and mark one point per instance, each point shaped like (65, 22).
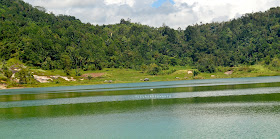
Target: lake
(214, 108)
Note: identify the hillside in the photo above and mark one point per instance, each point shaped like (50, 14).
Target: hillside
(64, 42)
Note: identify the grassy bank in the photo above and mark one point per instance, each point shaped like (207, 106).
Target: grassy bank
(133, 76)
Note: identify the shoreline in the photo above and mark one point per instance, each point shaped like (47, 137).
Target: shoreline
(2, 87)
(44, 85)
(57, 78)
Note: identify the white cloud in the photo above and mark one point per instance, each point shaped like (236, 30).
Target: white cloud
(120, 2)
(181, 14)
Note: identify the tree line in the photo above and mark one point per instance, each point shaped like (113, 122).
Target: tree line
(50, 42)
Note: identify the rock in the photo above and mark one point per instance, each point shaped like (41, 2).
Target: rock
(186, 77)
(190, 72)
(229, 72)
(3, 86)
(16, 80)
(17, 69)
(72, 79)
(54, 77)
(13, 76)
(146, 79)
(42, 79)
(106, 81)
(177, 77)
(65, 78)
(213, 76)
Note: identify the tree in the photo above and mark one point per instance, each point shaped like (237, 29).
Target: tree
(6, 71)
(40, 8)
(66, 63)
(24, 75)
(125, 22)
(153, 69)
(195, 73)
(47, 41)
(173, 61)
(47, 64)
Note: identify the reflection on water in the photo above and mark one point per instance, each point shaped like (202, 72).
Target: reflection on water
(172, 110)
(9, 95)
(144, 119)
(91, 99)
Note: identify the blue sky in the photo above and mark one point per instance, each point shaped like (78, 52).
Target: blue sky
(158, 3)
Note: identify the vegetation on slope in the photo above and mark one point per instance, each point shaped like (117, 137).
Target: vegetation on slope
(62, 42)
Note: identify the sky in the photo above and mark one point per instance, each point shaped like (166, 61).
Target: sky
(173, 13)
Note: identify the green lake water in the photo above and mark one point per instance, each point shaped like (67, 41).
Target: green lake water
(216, 108)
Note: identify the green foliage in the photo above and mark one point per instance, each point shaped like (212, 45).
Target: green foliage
(153, 69)
(195, 73)
(47, 64)
(30, 35)
(8, 73)
(275, 64)
(89, 77)
(164, 67)
(168, 72)
(78, 72)
(13, 61)
(66, 64)
(173, 61)
(3, 78)
(24, 76)
(57, 82)
(206, 68)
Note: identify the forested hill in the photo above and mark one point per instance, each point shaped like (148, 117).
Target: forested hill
(56, 42)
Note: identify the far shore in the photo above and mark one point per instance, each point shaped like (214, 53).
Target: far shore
(56, 78)
(2, 87)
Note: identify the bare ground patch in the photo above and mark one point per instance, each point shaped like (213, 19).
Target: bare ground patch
(93, 75)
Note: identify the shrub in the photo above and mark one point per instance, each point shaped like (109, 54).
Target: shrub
(7, 72)
(195, 73)
(206, 68)
(89, 77)
(153, 69)
(24, 76)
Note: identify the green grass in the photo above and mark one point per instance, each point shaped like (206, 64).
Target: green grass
(132, 76)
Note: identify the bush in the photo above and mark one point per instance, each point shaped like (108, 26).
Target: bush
(2, 78)
(14, 61)
(67, 71)
(153, 69)
(173, 61)
(195, 73)
(24, 76)
(7, 72)
(274, 64)
(164, 67)
(168, 72)
(89, 77)
(206, 68)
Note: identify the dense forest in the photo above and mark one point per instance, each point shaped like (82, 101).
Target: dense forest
(50, 41)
